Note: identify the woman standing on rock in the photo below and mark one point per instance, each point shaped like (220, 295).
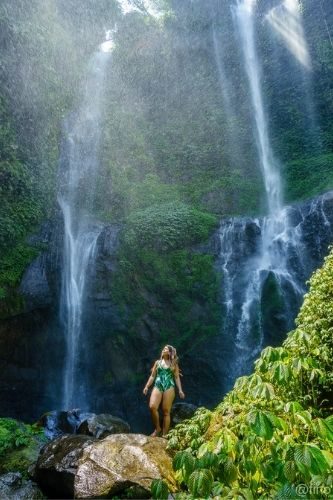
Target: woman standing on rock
(165, 376)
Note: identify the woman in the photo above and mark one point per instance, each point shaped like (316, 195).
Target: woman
(164, 375)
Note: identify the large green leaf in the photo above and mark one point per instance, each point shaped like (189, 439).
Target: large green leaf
(302, 459)
(319, 464)
(207, 461)
(282, 372)
(184, 460)
(261, 424)
(324, 428)
(285, 492)
(230, 471)
(290, 470)
(159, 489)
(264, 391)
(200, 483)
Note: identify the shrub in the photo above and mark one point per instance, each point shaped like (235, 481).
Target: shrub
(274, 430)
(168, 226)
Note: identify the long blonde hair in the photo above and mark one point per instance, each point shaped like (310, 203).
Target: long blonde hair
(172, 356)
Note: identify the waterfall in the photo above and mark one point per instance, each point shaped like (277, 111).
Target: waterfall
(243, 15)
(264, 261)
(79, 169)
(261, 299)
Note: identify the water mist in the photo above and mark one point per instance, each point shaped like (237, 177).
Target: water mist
(77, 200)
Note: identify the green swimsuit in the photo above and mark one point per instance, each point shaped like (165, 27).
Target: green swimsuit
(164, 379)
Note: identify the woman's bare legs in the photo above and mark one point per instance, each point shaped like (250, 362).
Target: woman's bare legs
(154, 403)
(168, 397)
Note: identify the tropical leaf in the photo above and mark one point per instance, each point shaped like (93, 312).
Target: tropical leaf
(281, 373)
(159, 489)
(324, 428)
(230, 471)
(200, 483)
(184, 460)
(261, 424)
(293, 407)
(276, 421)
(269, 470)
(304, 417)
(287, 491)
(290, 470)
(207, 461)
(302, 459)
(319, 464)
(264, 391)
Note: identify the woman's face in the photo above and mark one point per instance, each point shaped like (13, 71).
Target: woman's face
(165, 351)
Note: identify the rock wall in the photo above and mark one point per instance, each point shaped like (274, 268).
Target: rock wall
(32, 343)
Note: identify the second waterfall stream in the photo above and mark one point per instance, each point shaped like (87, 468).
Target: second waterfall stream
(260, 257)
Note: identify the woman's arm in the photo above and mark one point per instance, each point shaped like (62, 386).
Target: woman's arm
(151, 379)
(178, 382)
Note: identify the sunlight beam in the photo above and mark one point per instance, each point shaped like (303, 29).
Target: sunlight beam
(287, 22)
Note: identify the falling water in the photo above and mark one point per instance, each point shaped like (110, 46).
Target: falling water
(79, 168)
(243, 14)
(257, 255)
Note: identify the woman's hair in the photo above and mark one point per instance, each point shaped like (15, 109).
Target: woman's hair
(172, 355)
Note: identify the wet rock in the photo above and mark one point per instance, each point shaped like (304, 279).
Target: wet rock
(13, 486)
(34, 285)
(57, 465)
(182, 411)
(103, 425)
(120, 462)
(82, 467)
(57, 423)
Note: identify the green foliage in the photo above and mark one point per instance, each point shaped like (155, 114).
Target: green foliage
(19, 446)
(274, 430)
(306, 177)
(12, 265)
(157, 271)
(14, 434)
(200, 483)
(159, 489)
(168, 227)
(37, 87)
(181, 281)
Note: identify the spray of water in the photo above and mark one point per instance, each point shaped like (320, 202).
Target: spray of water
(76, 200)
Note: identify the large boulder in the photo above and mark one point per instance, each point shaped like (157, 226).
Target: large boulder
(13, 486)
(76, 467)
(57, 465)
(103, 425)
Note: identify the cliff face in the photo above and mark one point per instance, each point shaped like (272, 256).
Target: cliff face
(122, 340)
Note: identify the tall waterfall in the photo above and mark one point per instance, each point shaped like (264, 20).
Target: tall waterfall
(243, 12)
(80, 162)
(261, 259)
